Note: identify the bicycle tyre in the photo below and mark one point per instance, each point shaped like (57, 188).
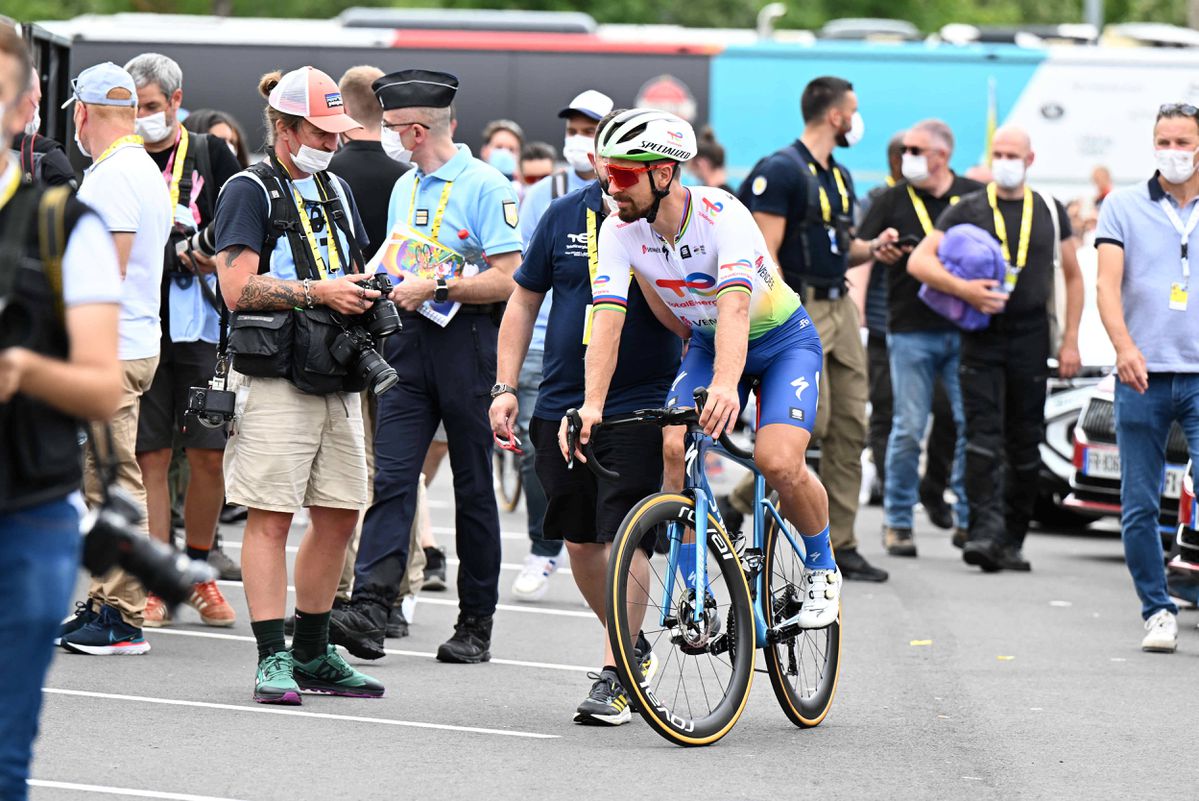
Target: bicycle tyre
(673, 725)
(508, 479)
(805, 711)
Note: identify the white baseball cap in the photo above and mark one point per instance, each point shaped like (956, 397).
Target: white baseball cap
(591, 103)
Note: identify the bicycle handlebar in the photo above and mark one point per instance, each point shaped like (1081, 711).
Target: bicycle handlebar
(661, 417)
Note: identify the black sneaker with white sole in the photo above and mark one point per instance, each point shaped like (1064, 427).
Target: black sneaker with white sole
(607, 704)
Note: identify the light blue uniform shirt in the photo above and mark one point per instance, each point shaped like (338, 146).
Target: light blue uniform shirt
(193, 319)
(1133, 219)
(482, 204)
(532, 209)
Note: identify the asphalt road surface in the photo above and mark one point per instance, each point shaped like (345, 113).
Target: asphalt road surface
(953, 685)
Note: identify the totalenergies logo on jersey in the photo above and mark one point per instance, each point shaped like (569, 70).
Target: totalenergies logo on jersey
(709, 209)
(600, 280)
(697, 283)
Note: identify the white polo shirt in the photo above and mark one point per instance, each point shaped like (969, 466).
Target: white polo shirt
(127, 191)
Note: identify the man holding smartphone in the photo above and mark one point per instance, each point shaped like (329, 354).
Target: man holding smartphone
(924, 346)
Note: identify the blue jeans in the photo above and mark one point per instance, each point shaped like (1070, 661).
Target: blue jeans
(39, 560)
(526, 397)
(1142, 427)
(918, 359)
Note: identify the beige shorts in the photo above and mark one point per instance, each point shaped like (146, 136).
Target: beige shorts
(288, 449)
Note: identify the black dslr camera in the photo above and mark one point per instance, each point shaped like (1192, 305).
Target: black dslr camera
(354, 348)
(183, 239)
(113, 538)
(382, 319)
(212, 406)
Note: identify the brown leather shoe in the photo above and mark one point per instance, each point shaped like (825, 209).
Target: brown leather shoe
(898, 541)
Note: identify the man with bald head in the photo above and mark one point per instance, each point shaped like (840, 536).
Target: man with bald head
(1004, 366)
(923, 345)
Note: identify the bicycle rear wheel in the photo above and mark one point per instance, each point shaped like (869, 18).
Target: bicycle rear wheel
(803, 666)
(508, 479)
(702, 671)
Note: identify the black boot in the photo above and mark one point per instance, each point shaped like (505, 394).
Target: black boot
(471, 640)
(360, 625)
(397, 624)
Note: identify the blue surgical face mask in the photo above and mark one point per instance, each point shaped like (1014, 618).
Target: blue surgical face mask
(503, 160)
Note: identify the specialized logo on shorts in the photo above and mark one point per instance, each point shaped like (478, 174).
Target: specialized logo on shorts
(759, 185)
(700, 284)
(800, 384)
(333, 100)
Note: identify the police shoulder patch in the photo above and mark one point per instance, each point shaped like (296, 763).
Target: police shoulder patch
(759, 185)
(510, 216)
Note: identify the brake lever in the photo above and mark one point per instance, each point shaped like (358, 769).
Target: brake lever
(574, 424)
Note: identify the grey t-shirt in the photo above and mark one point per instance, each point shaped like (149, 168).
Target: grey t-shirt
(1133, 219)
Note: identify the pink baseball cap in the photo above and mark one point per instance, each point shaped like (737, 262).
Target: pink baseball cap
(311, 94)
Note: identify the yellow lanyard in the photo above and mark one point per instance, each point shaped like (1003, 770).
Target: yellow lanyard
(592, 268)
(1001, 228)
(926, 222)
(435, 229)
(7, 192)
(889, 181)
(131, 139)
(177, 172)
(826, 210)
(334, 264)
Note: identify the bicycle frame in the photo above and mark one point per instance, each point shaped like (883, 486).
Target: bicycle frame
(695, 484)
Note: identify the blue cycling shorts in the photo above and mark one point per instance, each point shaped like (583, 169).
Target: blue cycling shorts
(785, 363)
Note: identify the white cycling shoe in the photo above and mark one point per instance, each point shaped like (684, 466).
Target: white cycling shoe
(821, 592)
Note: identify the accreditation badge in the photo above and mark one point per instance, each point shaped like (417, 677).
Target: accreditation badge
(1178, 297)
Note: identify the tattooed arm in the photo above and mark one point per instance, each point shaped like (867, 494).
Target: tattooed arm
(245, 290)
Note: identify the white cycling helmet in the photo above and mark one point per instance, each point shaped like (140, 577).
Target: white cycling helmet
(645, 134)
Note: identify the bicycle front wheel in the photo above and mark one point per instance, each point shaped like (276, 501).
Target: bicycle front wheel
(803, 664)
(693, 684)
(508, 479)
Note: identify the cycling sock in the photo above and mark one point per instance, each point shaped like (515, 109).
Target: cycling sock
(269, 635)
(312, 635)
(198, 554)
(819, 552)
(687, 563)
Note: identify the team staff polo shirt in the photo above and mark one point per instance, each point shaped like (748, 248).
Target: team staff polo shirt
(894, 208)
(781, 187)
(481, 215)
(557, 260)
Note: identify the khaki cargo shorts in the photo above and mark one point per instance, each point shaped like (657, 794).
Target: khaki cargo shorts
(289, 450)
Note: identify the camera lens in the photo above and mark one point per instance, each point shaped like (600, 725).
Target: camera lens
(376, 372)
(383, 319)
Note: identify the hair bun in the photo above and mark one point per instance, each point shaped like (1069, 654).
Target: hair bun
(268, 82)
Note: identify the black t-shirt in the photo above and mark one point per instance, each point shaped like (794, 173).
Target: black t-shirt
(1035, 284)
(371, 175)
(780, 186)
(223, 165)
(50, 164)
(894, 209)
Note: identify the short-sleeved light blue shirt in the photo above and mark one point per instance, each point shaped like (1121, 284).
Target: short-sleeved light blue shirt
(1133, 219)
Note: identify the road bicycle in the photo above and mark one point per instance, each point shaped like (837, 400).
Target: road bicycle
(705, 650)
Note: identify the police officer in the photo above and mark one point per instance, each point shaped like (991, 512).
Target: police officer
(803, 201)
(453, 244)
(58, 366)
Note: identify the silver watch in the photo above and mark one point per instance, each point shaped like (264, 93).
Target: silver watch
(500, 389)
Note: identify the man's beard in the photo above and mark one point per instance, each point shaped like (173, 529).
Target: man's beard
(630, 213)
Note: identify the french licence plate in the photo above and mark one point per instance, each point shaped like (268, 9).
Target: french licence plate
(1103, 463)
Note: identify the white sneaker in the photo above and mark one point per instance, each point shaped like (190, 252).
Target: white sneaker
(821, 593)
(534, 579)
(1162, 636)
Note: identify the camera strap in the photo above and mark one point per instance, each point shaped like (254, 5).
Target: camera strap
(342, 220)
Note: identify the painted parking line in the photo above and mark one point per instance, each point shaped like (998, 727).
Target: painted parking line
(424, 598)
(213, 635)
(124, 791)
(451, 560)
(296, 713)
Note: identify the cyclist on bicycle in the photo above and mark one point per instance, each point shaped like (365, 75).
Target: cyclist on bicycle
(703, 255)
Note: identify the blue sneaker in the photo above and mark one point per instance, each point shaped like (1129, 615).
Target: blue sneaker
(84, 614)
(107, 635)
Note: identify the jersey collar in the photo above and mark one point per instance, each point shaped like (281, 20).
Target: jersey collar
(452, 168)
(809, 158)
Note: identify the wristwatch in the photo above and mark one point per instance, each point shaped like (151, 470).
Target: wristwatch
(442, 293)
(500, 389)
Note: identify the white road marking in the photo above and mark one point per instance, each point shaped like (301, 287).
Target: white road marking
(450, 560)
(271, 710)
(213, 635)
(99, 788)
(424, 598)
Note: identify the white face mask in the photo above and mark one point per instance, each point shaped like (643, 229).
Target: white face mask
(153, 128)
(576, 149)
(79, 143)
(1008, 173)
(35, 124)
(311, 160)
(1176, 166)
(393, 147)
(857, 129)
(915, 168)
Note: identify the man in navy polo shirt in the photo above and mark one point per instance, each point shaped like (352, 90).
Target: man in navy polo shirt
(581, 509)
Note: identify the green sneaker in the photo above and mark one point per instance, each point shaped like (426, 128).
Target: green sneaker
(275, 683)
(333, 675)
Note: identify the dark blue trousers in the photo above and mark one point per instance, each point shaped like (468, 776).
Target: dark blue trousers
(445, 374)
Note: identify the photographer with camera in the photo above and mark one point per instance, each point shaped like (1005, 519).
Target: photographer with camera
(59, 306)
(194, 166)
(302, 335)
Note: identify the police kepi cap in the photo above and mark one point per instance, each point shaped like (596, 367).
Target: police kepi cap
(311, 94)
(94, 84)
(591, 103)
(416, 89)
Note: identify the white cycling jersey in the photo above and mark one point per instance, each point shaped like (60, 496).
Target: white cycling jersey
(718, 249)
